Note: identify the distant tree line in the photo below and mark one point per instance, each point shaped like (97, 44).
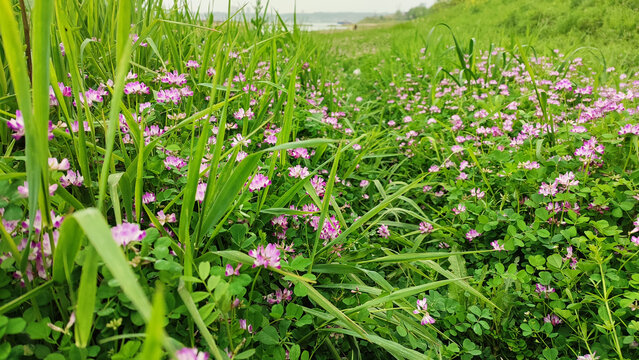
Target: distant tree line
(414, 13)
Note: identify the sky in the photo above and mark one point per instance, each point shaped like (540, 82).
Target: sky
(310, 6)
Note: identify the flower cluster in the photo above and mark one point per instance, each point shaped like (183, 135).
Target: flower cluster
(126, 233)
(266, 256)
(422, 307)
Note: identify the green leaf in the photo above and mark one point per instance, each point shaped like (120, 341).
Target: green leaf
(409, 257)
(394, 348)
(555, 261)
(86, 299)
(332, 309)
(15, 326)
(199, 322)
(152, 347)
(268, 336)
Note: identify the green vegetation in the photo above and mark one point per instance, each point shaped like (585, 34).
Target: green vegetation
(177, 188)
(611, 26)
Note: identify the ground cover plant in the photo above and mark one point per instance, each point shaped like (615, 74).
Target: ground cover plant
(173, 187)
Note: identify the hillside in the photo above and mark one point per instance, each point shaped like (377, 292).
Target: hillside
(611, 26)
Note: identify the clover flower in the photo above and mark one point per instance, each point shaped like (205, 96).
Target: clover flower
(588, 356)
(164, 218)
(471, 234)
(174, 78)
(190, 354)
(126, 233)
(422, 307)
(174, 161)
(230, 271)
(71, 178)
(549, 189)
(259, 182)
(383, 231)
(425, 227)
(136, 87)
(279, 296)
(298, 172)
(496, 246)
(61, 166)
(17, 125)
(266, 256)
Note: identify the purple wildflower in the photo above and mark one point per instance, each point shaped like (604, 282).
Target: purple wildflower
(422, 307)
(258, 182)
(298, 172)
(72, 178)
(425, 227)
(125, 233)
(266, 256)
(383, 231)
(174, 78)
(470, 235)
(190, 354)
(17, 125)
(230, 271)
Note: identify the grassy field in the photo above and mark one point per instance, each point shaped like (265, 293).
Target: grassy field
(172, 187)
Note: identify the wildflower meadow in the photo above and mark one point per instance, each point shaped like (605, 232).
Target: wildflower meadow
(177, 187)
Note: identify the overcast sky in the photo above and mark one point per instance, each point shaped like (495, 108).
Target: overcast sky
(309, 6)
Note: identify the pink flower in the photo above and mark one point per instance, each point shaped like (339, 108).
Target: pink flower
(318, 184)
(230, 271)
(470, 235)
(125, 233)
(588, 357)
(163, 218)
(200, 192)
(17, 125)
(460, 208)
(192, 64)
(136, 87)
(190, 354)
(71, 178)
(279, 296)
(425, 227)
(169, 95)
(258, 182)
(240, 140)
(244, 326)
(239, 114)
(477, 193)
(23, 190)
(590, 151)
(299, 153)
(567, 180)
(422, 306)
(529, 165)
(552, 319)
(383, 231)
(61, 166)
(541, 289)
(174, 78)
(364, 183)
(266, 256)
(148, 197)
(548, 189)
(298, 172)
(174, 161)
(331, 228)
(496, 246)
